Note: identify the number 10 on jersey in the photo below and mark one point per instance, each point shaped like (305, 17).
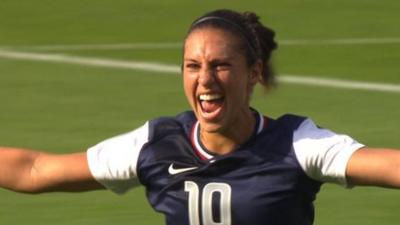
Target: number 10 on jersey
(200, 203)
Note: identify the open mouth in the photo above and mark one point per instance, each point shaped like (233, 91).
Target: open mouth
(211, 104)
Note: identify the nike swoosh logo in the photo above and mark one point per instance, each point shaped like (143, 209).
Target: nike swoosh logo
(173, 171)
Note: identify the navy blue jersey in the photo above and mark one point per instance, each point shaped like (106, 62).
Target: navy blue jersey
(261, 182)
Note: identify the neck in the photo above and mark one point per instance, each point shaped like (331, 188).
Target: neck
(228, 139)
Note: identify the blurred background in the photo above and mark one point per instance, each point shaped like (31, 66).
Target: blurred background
(73, 73)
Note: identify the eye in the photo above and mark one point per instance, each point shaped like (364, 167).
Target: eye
(192, 66)
(222, 66)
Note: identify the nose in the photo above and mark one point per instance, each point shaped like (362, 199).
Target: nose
(206, 77)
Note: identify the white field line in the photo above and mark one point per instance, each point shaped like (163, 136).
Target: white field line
(174, 69)
(336, 83)
(97, 62)
(345, 41)
(178, 45)
(120, 46)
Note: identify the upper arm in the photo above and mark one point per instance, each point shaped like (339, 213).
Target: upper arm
(110, 164)
(323, 154)
(68, 172)
(371, 166)
(114, 162)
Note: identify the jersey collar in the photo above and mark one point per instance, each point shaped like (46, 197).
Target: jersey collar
(203, 153)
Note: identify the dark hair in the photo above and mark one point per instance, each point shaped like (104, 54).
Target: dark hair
(257, 40)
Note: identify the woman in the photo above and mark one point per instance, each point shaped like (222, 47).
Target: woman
(223, 162)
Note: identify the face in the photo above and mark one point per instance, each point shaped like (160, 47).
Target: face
(217, 80)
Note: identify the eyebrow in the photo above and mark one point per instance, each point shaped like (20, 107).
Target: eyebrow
(212, 61)
(192, 60)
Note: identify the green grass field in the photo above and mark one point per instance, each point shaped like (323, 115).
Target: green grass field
(61, 107)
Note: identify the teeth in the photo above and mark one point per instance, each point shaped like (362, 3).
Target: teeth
(209, 97)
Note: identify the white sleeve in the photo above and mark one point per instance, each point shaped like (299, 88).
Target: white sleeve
(113, 162)
(323, 154)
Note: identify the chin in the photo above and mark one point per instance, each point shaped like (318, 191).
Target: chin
(211, 127)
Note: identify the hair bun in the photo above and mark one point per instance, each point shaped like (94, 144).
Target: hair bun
(251, 17)
(267, 44)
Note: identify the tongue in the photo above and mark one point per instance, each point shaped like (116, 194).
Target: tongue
(211, 106)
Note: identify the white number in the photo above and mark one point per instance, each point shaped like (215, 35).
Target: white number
(193, 206)
(225, 193)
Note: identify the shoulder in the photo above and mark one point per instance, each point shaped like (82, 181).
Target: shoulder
(150, 130)
(278, 134)
(162, 126)
(287, 123)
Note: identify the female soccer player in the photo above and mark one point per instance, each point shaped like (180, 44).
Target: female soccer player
(223, 162)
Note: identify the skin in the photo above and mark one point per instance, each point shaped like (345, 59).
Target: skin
(30, 171)
(374, 167)
(212, 64)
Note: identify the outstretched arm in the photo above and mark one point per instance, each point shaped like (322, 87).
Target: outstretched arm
(376, 167)
(35, 172)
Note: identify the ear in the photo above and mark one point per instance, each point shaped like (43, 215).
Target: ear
(255, 73)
